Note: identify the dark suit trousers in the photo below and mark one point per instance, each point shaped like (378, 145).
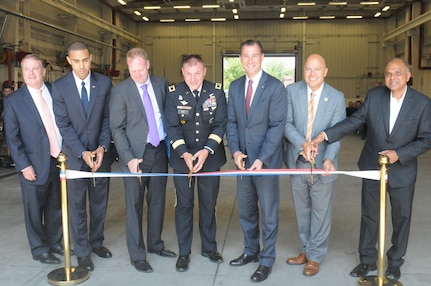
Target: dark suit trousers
(155, 160)
(84, 238)
(208, 188)
(265, 191)
(42, 212)
(401, 210)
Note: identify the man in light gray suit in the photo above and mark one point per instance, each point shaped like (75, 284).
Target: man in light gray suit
(312, 194)
(132, 131)
(256, 119)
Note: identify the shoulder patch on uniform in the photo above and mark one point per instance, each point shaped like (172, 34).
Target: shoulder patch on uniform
(171, 88)
(218, 85)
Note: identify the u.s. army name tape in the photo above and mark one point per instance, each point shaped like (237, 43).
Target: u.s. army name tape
(370, 174)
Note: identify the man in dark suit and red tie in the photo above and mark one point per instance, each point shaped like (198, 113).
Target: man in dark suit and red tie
(137, 124)
(399, 126)
(34, 142)
(81, 110)
(257, 108)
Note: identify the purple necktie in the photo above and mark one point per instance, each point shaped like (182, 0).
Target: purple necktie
(151, 119)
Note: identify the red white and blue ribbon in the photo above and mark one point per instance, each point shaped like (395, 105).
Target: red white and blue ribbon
(371, 174)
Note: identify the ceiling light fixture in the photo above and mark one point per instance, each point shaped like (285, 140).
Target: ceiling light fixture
(306, 4)
(236, 16)
(235, 11)
(369, 3)
(167, 20)
(122, 2)
(145, 19)
(210, 6)
(326, 17)
(378, 14)
(300, 17)
(386, 8)
(182, 7)
(218, 19)
(152, 7)
(192, 20)
(353, 17)
(281, 15)
(137, 13)
(336, 3)
(283, 9)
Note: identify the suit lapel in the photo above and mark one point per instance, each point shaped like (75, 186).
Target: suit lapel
(94, 91)
(404, 111)
(75, 98)
(385, 110)
(257, 94)
(29, 104)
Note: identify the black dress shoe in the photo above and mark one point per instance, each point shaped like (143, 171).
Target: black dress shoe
(142, 265)
(86, 263)
(214, 256)
(163, 252)
(362, 269)
(243, 260)
(183, 263)
(47, 258)
(393, 272)
(102, 252)
(57, 249)
(261, 274)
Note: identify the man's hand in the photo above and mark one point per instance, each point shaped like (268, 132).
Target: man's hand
(238, 159)
(133, 165)
(328, 166)
(88, 156)
(392, 155)
(257, 165)
(29, 173)
(188, 159)
(98, 157)
(201, 157)
(309, 151)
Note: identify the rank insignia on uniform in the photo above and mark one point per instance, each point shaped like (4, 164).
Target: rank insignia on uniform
(171, 88)
(183, 122)
(218, 85)
(180, 97)
(184, 102)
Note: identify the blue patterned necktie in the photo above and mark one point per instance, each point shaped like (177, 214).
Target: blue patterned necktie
(151, 118)
(84, 98)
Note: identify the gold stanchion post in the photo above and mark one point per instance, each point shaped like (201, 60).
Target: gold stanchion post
(380, 279)
(68, 275)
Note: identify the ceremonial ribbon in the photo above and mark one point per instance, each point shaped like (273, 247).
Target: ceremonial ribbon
(371, 174)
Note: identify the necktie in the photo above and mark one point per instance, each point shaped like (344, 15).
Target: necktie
(196, 93)
(151, 118)
(48, 122)
(248, 96)
(84, 98)
(310, 120)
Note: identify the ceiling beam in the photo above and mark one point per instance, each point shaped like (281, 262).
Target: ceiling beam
(426, 17)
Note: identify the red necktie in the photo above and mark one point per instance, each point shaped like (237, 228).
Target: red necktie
(248, 96)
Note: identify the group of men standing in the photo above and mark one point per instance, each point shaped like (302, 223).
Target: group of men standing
(153, 124)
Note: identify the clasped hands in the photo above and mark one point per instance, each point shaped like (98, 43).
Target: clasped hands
(311, 149)
(196, 161)
(94, 159)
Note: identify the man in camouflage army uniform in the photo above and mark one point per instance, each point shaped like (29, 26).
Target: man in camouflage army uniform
(196, 118)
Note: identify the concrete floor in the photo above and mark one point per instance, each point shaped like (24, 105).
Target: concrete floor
(18, 268)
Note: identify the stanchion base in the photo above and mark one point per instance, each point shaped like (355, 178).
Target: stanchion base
(77, 275)
(374, 281)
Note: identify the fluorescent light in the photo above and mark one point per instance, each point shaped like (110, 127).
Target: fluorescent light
(182, 7)
(306, 4)
(386, 8)
(337, 3)
(326, 17)
(281, 15)
(369, 3)
(152, 7)
(235, 11)
(137, 13)
(122, 2)
(145, 19)
(210, 6)
(236, 16)
(378, 14)
(218, 19)
(192, 20)
(353, 17)
(300, 17)
(167, 20)
(283, 9)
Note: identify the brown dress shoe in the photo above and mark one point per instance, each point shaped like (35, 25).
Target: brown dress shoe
(311, 268)
(300, 259)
